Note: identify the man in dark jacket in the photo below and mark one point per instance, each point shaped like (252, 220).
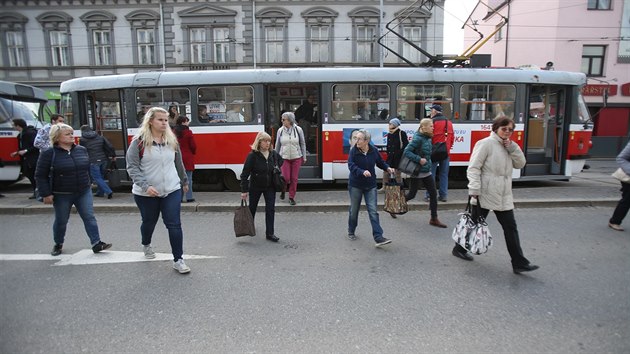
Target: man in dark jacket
(27, 152)
(100, 151)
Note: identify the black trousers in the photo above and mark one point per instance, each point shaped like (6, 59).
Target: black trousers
(429, 184)
(510, 231)
(623, 206)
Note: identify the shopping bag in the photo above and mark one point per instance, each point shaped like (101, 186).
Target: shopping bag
(409, 166)
(244, 221)
(472, 233)
(395, 202)
(621, 175)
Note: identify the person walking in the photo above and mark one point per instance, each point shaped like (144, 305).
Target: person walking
(442, 132)
(623, 160)
(188, 148)
(490, 184)
(362, 160)
(68, 185)
(419, 150)
(256, 180)
(154, 163)
(26, 151)
(100, 151)
(290, 144)
(42, 140)
(397, 141)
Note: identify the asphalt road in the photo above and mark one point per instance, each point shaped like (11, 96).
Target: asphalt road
(317, 291)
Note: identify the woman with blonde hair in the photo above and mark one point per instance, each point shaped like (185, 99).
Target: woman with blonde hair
(419, 150)
(154, 163)
(69, 185)
(257, 177)
(290, 144)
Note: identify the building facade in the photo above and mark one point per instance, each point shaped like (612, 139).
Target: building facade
(589, 36)
(44, 42)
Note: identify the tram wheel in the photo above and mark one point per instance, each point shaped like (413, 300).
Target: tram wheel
(230, 181)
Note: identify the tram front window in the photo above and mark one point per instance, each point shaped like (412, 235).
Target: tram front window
(13, 109)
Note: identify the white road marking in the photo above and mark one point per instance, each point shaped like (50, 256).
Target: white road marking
(84, 257)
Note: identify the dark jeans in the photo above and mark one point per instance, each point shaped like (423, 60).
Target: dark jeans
(170, 207)
(270, 207)
(62, 203)
(623, 206)
(97, 171)
(29, 172)
(429, 184)
(510, 231)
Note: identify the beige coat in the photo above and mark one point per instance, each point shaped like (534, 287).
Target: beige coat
(490, 172)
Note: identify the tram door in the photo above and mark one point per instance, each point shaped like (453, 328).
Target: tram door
(304, 101)
(545, 130)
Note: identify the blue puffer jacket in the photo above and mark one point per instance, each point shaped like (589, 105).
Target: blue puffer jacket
(71, 171)
(420, 146)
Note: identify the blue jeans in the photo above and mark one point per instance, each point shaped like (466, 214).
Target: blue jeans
(62, 203)
(97, 171)
(443, 177)
(170, 207)
(270, 207)
(356, 194)
(189, 194)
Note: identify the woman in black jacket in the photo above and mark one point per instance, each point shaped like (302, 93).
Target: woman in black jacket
(27, 152)
(257, 177)
(63, 179)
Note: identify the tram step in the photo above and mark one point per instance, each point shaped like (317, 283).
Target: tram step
(536, 158)
(536, 169)
(309, 172)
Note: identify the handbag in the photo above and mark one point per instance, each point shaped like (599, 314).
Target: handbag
(279, 183)
(438, 150)
(395, 202)
(621, 175)
(244, 221)
(472, 233)
(38, 196)
(408, 166)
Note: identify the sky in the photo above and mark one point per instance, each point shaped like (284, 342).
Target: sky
(456, 12)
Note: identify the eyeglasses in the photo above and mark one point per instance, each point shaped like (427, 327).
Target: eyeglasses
(507, 130)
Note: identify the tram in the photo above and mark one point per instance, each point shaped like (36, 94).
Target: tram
(16, 101)
(228, 108)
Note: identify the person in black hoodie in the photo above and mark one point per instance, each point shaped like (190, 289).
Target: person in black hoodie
(63, 179)
(100, 151)
(27, 152)
(256, 180)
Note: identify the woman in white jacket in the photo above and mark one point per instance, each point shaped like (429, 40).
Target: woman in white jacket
(490, 183)
(290, 144)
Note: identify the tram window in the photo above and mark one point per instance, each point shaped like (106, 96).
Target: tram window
(360, 102)
(225, 104)
(414, 101)
(166, 98)
(66, 109)
(486, 102)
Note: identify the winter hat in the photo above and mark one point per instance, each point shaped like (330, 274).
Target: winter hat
(395, 122)
(437, 107)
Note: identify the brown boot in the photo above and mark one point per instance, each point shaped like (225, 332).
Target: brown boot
(436, 222)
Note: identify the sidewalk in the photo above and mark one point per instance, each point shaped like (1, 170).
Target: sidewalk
(593, 187)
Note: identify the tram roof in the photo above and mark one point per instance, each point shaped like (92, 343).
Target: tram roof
(315, 75)
(21, 91)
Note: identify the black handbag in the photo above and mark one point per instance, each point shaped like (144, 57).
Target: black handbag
(279, 183)
(244, 221)
(409, 166)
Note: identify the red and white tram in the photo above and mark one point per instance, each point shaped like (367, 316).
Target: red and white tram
(228, 107)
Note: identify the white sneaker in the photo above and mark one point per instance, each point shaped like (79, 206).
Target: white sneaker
(181, 267)
(148, 252)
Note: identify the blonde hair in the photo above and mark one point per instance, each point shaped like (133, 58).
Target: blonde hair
(423, 123)
(145, 134)
(260, 137)
(56, 130)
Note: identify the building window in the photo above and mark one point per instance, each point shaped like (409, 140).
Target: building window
(15, 47)
(59, 48)
(593, 60)
(274, 44)
(319, 23)
(102, 47)
(197, 45)
(101, 40)
(146, 47)
(499, 35)
(414, 35)
(221, 38)
(365, 22)
(599, 4)
(319, 44)
(365, 44)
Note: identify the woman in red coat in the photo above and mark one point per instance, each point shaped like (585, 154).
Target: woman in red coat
(188, 148)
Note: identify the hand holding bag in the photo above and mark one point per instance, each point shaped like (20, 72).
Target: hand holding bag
(279, 182)
(244, 221)
(472, 233)
(395, 202)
